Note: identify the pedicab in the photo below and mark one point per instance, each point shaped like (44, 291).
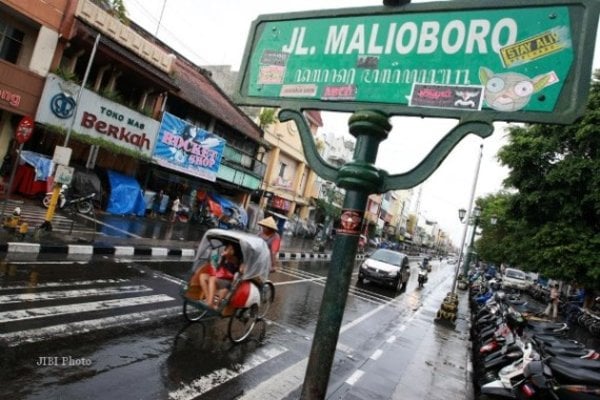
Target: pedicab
(251, 292)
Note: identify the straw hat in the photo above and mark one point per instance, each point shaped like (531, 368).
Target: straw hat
(268, 223)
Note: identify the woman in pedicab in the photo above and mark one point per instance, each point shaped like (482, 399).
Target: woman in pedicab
(229, 278)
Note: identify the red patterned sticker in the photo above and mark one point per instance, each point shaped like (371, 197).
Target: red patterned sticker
(350, 222)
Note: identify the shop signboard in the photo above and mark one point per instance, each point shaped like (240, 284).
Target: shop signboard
(186, 148)
(515, 60)
(107, 123)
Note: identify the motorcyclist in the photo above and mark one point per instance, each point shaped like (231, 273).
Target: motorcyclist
(422, 278)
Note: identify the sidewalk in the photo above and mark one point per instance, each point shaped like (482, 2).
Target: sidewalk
(124, 235)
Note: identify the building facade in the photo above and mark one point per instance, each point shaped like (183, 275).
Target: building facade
(145, 111)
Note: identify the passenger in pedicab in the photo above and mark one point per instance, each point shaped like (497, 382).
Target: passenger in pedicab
(218, 255)
(218, 280)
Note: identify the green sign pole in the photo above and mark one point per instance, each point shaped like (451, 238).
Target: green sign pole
(360, 178)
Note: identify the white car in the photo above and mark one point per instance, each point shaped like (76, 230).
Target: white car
(387, 267)
(515, 279)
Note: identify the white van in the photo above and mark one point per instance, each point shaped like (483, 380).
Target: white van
(515, 279)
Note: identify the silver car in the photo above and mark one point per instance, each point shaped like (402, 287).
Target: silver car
(387, 267)
(515, 279)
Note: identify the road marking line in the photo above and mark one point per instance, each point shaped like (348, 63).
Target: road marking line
(62, 294)
(18, 338)
(376, 354)
(391, 339)
(66, 283)
(110, 226)
(37, 262)
(298, 281)
(280, 386)
(202, 385)
(168, 278)
(355, 377)
(41, 312)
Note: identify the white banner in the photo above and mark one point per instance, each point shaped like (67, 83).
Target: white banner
(96, 117)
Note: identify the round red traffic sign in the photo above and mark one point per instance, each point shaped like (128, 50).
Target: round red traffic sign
(24, 129)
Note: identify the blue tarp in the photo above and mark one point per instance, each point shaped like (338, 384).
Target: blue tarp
(227, 206)
(126, 195)
(41, 163)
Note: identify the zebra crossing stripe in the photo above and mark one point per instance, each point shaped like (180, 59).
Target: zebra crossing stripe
(66, 283)
(65, 294)
(28, 336)
(51, 311)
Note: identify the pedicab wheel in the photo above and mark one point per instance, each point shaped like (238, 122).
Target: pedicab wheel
(242, 323)
(267, 294)
(192, 313)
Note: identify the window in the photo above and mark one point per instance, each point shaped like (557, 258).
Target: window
(282, 167)
(11, 41)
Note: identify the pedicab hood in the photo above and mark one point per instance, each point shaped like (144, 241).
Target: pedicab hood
(255, 252)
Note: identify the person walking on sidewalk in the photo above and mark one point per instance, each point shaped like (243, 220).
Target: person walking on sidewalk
(175, 208)
(270, 235)
(156, 202)
(553, 304)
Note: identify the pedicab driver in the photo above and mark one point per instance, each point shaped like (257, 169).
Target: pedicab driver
(270, 235)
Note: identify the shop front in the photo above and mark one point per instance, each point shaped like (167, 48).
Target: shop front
(20, 92)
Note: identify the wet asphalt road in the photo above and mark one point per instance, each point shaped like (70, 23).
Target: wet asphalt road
(131, 341)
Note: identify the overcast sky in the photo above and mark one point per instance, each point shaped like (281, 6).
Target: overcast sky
(215, 33)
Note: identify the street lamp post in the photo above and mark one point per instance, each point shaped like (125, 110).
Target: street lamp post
(476, 215)
(449, 306)
(47, 224)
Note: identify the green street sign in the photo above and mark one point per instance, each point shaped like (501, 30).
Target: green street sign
(521, 60)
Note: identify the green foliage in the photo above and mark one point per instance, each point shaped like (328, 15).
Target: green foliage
(327, 206)
(551, 223)
(112, 95)
(66, 75)
(116, 8)
(267, 117)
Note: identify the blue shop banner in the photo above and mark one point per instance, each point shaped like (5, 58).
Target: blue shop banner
(186, 148)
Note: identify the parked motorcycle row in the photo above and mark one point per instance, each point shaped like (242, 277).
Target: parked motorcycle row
(518, 355)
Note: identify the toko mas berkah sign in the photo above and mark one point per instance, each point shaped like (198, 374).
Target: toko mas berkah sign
(526, 60)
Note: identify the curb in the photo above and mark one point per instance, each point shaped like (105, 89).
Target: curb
(37, 248)
(103, 249)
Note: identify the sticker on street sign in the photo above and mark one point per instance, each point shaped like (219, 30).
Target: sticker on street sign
(523, 60)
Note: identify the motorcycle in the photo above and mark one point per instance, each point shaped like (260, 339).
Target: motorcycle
(422, 277)
(83, 204)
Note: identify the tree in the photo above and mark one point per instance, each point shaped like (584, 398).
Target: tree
(554, 216)
(267, 117)
(326, 206)
(116, 8)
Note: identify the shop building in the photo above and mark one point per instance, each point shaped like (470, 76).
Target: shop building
(289, 183)
(137, 87)
(29, 35)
